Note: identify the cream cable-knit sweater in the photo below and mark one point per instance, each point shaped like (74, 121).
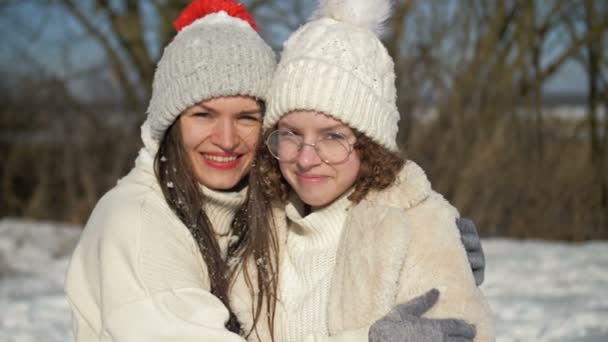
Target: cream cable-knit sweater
(138, 275)
(309, 245)
(307, 267)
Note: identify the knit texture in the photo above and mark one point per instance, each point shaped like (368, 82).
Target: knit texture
(137, 274)
(217, 55)
(306, 271)
(221, 207)
(342, 70)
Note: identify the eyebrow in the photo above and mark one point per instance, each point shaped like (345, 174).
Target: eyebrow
(323, 129)
(245, 111)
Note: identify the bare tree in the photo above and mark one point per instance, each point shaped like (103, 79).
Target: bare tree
(593, 56)
(471, 79)
(484, 66)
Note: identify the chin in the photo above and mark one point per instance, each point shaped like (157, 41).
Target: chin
(314, 201)
(222, 187)
(221, 180)
(224, 184)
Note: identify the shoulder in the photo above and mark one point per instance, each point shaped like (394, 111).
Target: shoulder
(411, 187)
(123, 210)
(134, 223)
(409, 201)
(417, 210)
(134, 236)
(412, 191)
(434, 220)
(136, 198)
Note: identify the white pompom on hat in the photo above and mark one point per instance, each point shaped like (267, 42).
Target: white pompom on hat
(337, 65)
(216, 52)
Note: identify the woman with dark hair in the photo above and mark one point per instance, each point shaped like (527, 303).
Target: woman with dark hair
(154, 260)
(360, 229)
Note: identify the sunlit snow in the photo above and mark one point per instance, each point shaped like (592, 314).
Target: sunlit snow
(539, 291)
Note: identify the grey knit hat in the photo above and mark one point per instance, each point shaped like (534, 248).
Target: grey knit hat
(213, 54)
(336, 64)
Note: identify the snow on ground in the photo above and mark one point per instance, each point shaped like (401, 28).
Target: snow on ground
(540, 291)
(33, 260)
(543, 291)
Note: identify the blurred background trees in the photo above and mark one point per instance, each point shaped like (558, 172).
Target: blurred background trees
(474, 88)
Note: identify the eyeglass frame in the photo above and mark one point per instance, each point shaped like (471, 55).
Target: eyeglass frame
(301, 145)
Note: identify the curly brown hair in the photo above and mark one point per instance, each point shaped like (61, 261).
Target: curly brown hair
(379, 169)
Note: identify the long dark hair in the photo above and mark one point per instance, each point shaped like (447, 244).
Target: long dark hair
(174, 172)
(254, 223)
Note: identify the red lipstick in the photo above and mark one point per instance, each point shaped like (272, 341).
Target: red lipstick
(218, 160)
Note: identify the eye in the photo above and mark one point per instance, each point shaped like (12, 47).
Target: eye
(285, 133)
(201, 114)
(333, 136)
(251, 117)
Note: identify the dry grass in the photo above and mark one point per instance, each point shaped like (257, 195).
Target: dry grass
(509, 187)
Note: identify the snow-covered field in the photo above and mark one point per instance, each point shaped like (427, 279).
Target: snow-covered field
(539, 291)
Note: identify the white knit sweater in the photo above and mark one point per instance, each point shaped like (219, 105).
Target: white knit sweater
(307, 267)
(220, 207)
(137, 273)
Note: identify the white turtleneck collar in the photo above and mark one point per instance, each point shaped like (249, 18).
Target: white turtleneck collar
(320, 227)
(221, 207)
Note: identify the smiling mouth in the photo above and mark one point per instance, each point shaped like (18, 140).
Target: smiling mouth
(221, 159)
(311, 178)
(222, 162)
(308, 176)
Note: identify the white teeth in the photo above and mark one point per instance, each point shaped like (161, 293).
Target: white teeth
(220, 158)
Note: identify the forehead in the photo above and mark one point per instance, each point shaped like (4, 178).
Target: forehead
(310, 119)
(231, 104)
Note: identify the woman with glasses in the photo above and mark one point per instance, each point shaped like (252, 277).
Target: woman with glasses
(360, 229)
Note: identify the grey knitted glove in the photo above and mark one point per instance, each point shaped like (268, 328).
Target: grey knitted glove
(472, 244)
(404, 324)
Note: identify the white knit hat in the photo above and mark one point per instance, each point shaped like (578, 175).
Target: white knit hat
(216, 52)
(336, 64)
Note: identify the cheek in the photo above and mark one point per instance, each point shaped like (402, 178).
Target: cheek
(193, 133)
(251, 137)
(350, 171)
(284, 168)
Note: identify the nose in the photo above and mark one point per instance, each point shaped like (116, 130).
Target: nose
(225, 135)
(307, 157)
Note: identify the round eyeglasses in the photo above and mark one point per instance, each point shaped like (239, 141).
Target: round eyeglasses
(331, 147)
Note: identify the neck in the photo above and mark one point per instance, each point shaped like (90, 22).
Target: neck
(221, 206)
(242, 184)
(343, 198)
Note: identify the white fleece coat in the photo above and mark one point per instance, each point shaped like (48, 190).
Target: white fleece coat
(137, 273)
(396, 245)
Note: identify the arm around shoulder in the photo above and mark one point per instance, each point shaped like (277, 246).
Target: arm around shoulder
(437, 259)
